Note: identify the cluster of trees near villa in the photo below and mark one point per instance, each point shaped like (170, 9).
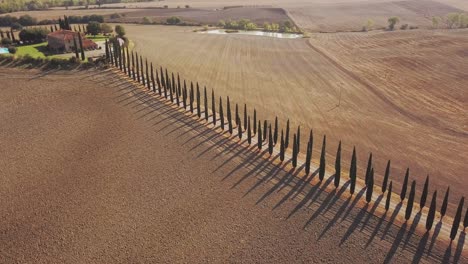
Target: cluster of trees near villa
(246, 24)
(267, 134)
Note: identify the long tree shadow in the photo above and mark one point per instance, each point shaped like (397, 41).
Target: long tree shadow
(354, 224)
(355, 201)
(372, 211)
(396, 243)
(338, 214)
(459, 249)
(259, 168)
(268, 176)
(447, 254)
(304, 200)
(376, 229)
(292, 190)
(420, 249)
(286, 177)
(412, 229)
(305, 183)
(437, 229)
(392, 218)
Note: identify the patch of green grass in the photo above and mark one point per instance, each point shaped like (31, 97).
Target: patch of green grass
(97, 37)
(33, 50)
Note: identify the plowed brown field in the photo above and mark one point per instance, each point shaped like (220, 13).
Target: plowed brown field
(402, 96)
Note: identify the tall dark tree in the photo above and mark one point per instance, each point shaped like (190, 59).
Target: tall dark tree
(106, 45)
(221, 113)
(184, 96)
(239, 128)
(294, 157)
(369, 167)
(432, 211)
(370, 186)
(385, 180)
(353, 171)
(153, 82)
(275, 134)
(245, 116)
(405, 186)
(191, 97)
(338, 166)
(249, 132)
(259, 135)
(409, 206)
(322, 159)
(177, 96)
(124, 62)
(81, 47)
(168, 85)
(309, 153)
(137, 68)
(457, 219)
(286, 136)
(77, 55)
(133, 66)
(229, 117)
(198, 101)
(422, 202)
(237, 115)
(128, 64)
(143, 79)
(389, 197)
(213, 107)
(443, 209)
(270, 141)
(255, 121)
(164, 83)
(171, 87)
(282, 147)
(206, 104)
(179, 87)
(148, 84)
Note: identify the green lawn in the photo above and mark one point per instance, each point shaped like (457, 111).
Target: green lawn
(97, 37)
(33, 50)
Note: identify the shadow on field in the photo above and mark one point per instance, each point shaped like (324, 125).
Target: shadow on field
(288, 185)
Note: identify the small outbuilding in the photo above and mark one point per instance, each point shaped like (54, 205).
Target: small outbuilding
(62, 41)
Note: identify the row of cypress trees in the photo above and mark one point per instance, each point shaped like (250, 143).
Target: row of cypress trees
(171, 88)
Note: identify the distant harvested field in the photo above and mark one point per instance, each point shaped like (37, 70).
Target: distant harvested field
(56, 13)
(404, 102)
(208, 16)
(313, 16)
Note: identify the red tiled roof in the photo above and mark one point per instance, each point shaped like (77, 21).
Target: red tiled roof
(63, 34)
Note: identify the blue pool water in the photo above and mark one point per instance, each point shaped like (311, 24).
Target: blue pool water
(4, 51)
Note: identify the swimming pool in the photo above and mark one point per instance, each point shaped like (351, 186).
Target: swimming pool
(4, 51)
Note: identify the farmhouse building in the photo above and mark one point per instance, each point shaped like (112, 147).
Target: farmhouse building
(62, 41)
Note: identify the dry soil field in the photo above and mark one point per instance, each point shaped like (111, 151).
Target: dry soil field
(403, 97)
(96, 171)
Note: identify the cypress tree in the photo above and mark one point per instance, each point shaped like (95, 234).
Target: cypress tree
(270, 141)
(191, 97)
(245, 116)
(172, 87)
(286, 137)
(385, 180)
(255, 121)
(124, 63)
(370, 186)
(13, 36)
(338, 166)
(51, 30)
(352, 171)
(76, 49)
(229, 117)
(1, 34)
(184, 96)
(259, 135)
(55, 27)
(137, 67)
(213, 107)
(443, 209)
(198, 101)
(177, 95)
(128, 65)
(133, 66)
(119, 51)
(294, 160)
(275, 135)
(456, 220)
(389, 197)
(322, 159)
(431, 214)
(237, 115)
(405, 185)
(221, 113)
(142, 69)
(163, 82)
(264, 130)
(81, 47)
(239, 128)
(168, 85)
(148, 84)
(465, 221)
(409, 206)
(282, 147)
(179, 87)
(249, 132)
(422, 202)
(308, 154)
(369, 167)
(152, 79)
